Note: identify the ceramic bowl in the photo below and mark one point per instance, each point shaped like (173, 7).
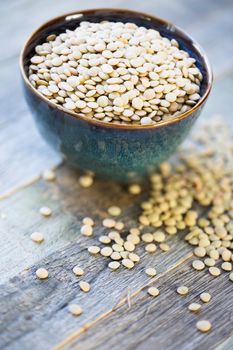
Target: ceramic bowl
(119, 152)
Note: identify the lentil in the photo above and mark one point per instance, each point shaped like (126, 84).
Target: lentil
(205, 297)
(114, 265)
(198, 265)
(42, 273)
(49, 175)
(182, 290)
(93, 249)
(194, 307)
(114, 211)
(45, 211)
(84, 286)
(106, 251)
(150, 271)
(88, 221)
(214, 271)
(153, 291)
(128, 263)
(86, 181)
(37, 237)
(135, 189)
(78, 271)
(109, 223)
(86, 230)
(75, 309)
(203, 326)
(231, 276)
(226, 266)
(150, 248)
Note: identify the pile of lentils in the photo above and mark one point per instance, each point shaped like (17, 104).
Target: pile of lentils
(116, 72)
(193, 196)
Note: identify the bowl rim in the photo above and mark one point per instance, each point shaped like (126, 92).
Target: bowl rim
(72, 15)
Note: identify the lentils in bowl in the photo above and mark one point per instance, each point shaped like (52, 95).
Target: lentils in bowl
(113, 122)
(116, 72)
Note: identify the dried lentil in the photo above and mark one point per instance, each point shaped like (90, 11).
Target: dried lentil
(37, 237)
(153, 291)
(75, 309)
(150, 271)
(194, 307)
(84, 286)
(45, 211)
(204, 326)
(182, 290)
(205, 297)
(42, 273)
(78, 271)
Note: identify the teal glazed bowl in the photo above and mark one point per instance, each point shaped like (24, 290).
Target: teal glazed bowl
(119, 152)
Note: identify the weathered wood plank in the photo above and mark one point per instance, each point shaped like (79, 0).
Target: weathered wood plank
(40, 319)
(164, 322)
(226, 345)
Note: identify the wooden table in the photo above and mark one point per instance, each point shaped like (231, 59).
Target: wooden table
(33, 313)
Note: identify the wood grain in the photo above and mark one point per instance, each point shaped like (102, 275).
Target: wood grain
(34, 313)
(165, 322)
(63, 248)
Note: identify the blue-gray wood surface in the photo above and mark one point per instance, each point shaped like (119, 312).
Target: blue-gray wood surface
(33, 313)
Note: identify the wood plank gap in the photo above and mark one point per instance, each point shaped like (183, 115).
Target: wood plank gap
(122, 302)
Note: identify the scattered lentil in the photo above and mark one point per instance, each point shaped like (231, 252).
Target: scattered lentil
(94, 249)
(86, 230)
(114, 211)
(37, 237)
(135, 189)
(194, 307)
(86, 181)
(88, 221)
(203, 326)
(128, 263)
(164, 247)
(150, 271)
(75, 309)
(106, 251)
(109, 223)
(150, 248)
(198, 265)
(134, 257)
(231, 276)
(182, 290)
(226, 266)
(45, 211)
(114, 265)
(205, 297)
(49, 175)
(42, 273)
(84, 286)
(153, 291)
(214, 271)
(104, 239)
(78, 271)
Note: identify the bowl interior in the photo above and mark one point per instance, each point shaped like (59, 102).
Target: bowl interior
(71, 21)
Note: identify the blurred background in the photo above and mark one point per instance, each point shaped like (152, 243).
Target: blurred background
(208, 21)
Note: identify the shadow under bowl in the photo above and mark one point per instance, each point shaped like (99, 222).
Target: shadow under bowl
(119, 152)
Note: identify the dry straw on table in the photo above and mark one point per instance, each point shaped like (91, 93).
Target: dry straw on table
(118, 73)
